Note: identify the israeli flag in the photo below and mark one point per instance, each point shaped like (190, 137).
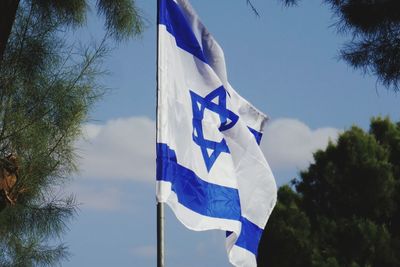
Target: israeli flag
(210, 169)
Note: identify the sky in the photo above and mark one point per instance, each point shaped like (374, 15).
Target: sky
(285, 63)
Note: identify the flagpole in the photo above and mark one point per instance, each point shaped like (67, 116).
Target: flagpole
(160, 205)
(160, 234)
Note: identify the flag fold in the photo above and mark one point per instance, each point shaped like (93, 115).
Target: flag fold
(210, 168)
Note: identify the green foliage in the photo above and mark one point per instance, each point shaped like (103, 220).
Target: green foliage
(46, 91)
(290, 228)
(71, 12)
(374, 26)
(122, 17)
(358, 156)
(345, 210)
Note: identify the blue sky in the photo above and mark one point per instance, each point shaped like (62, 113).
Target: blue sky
(284, 62)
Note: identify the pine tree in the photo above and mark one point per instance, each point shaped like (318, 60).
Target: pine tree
(122, 17)
(374, 26)
(46, 90)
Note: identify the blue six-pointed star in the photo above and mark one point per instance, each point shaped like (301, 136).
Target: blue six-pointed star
(215, 102)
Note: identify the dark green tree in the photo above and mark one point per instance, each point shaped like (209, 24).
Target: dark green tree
(47, 87)
(289, 227)
(345, 209)
(122, 17)
(374, 27)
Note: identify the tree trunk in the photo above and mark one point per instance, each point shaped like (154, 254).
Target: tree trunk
(8, 10)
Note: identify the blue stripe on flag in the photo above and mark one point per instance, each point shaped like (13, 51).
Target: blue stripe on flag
(205, 198)
(172, 17)
(194, 193)
(250, 236)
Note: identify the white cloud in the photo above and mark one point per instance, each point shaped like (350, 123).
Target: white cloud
(125, 148)
(105, 198)
(120, 149)
(289, 143)
(112, 195)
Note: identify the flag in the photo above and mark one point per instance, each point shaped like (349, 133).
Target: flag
(210, 168)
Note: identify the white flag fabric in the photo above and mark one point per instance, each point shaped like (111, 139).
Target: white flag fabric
(210, 169)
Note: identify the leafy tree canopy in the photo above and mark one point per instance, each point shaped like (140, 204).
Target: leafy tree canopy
(346, 207)
(374, 26)
(122, 17)
(47, 88)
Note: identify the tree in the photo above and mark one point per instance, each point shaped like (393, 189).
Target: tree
(122, 17)
(47, 87)
(345, 210)
(288, 233)
(374, 26)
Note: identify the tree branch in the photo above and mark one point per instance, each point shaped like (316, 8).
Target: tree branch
(249, 3)
(8, 10)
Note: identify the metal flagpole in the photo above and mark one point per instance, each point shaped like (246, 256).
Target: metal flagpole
(160, 234)
(160, 206)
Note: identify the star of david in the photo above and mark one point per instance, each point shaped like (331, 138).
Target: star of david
(215, 102)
